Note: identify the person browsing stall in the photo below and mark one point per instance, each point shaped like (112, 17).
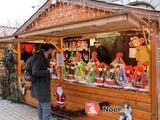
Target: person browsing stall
(40, 88)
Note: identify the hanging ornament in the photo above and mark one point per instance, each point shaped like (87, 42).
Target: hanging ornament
(135, 41)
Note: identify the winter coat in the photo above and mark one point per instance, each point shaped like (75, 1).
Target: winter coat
(40, 88)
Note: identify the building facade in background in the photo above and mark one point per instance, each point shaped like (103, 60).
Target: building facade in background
(150, 4)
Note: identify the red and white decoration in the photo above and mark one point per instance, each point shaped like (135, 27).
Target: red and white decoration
(60, 96)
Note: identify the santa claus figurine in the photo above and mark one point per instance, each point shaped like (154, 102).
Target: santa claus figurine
(60, 96)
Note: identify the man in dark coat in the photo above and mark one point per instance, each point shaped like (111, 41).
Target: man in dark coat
(102, 53)
(41, 81)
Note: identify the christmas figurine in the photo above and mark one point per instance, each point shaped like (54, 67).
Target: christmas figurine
(119, 70)
(101, 73)
(60, 96)
(79, 72)
(129, 74)
(125, 113)
(110, 77)
(91, 68)
(140, 79)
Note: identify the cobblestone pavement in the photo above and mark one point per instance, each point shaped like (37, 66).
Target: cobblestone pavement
(13, 111)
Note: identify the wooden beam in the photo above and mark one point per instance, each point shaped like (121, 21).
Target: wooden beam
(61, 68)
(99, 21)
(18, 61)
(153, 72)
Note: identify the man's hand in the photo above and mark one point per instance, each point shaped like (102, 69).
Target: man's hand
(50, 70)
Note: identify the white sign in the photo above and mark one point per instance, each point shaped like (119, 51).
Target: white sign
(60, 60)
(54, 1)
(132, 52)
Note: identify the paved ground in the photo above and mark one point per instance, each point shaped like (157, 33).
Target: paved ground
(12, 111)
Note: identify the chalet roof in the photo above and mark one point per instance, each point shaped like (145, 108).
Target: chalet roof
(7, 31)
(92, 4)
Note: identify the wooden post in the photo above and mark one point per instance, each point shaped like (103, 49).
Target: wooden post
(153, 72)
(18, 61)
(61, 68)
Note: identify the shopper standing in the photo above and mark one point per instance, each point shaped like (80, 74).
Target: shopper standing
(41, 81)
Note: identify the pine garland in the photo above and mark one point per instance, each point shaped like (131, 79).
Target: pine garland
(9, 80)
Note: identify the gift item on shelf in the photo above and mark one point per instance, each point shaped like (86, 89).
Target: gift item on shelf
(139, 77)
(118, 71)
(94, 57)
(120, 76)
(70, 68)
(129, 74)
(135, 41)
(110, 77)
(79, 72)
(92, 68)
(101, 73)
(89, 71)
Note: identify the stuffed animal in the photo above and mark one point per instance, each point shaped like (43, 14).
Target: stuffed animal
(135, 42)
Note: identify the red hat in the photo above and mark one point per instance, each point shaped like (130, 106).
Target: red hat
(94, 54)
(119, 54)
(129, 67)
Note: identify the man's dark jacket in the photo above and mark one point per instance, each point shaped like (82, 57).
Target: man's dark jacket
(41, 83)
(103, 55)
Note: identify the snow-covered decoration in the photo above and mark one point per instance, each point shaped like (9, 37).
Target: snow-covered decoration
(126, 112)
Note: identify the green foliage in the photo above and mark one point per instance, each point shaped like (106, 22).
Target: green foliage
(9, 80)
(3, 83)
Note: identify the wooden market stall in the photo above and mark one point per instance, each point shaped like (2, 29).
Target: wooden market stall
(54, 22)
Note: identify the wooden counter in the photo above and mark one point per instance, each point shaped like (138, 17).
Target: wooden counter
(77, 95)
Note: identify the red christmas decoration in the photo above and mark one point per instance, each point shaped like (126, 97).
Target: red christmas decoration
(135, 42)
(60, 96)
(92, 109)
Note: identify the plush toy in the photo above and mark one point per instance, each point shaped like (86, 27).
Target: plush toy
(60, 96)
(135, 42)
